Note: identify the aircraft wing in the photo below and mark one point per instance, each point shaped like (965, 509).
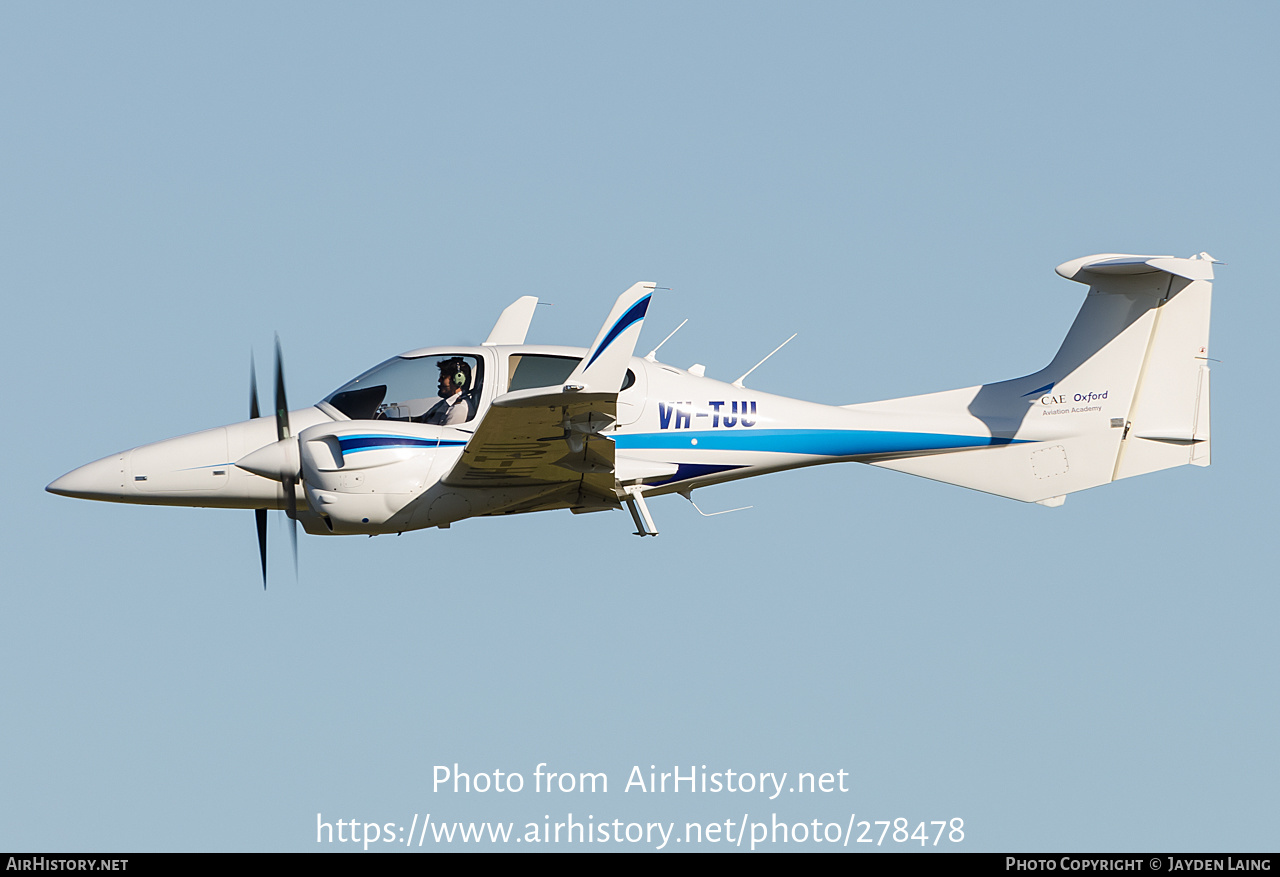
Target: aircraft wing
(548, 436)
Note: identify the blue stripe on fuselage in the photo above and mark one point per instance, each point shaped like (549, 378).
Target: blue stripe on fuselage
(816, 442)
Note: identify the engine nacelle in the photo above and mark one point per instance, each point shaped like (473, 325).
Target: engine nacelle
(360, 475)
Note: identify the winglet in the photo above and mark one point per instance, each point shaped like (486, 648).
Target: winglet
(513, 324)
(606, 361)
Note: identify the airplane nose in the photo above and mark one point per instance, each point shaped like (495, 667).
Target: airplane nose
(102, 479)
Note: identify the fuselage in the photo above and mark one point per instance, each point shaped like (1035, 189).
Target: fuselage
(367, 449)
(440, 434)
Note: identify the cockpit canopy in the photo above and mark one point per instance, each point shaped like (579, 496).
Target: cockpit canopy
(407, 388)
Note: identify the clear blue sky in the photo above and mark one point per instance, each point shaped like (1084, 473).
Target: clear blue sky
(895, 182)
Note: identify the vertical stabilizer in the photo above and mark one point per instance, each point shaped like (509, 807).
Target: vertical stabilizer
(1126, 394)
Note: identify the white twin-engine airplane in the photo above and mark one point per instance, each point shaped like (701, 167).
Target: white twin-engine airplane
(441, 434)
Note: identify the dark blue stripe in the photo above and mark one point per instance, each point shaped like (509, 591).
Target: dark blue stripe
(817, 442)
(685, 471)
(352, 444)
(634, 313)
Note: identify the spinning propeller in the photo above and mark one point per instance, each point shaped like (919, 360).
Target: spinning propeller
(278, 461)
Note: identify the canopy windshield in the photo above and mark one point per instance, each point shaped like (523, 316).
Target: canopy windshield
(401, 389)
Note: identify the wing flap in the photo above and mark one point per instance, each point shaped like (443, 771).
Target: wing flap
(528, 445)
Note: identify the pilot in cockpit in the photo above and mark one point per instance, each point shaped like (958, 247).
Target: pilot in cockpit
(455, 405)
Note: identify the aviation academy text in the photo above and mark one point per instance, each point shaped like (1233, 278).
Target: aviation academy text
(678, 780)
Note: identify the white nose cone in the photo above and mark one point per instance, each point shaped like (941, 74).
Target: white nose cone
(276, 461)
(104, 479)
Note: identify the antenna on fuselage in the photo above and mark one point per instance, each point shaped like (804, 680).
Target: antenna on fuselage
(687, 493)
(738, 382)
(652, 355)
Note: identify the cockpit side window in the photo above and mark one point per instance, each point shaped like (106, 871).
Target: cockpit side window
(528, 370)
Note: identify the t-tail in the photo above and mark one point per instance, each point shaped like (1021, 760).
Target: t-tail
(1127, 393)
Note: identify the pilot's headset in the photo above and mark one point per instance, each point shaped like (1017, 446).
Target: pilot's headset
(459, 370)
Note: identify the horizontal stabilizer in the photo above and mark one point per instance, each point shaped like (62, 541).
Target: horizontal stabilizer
(1196, 268)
